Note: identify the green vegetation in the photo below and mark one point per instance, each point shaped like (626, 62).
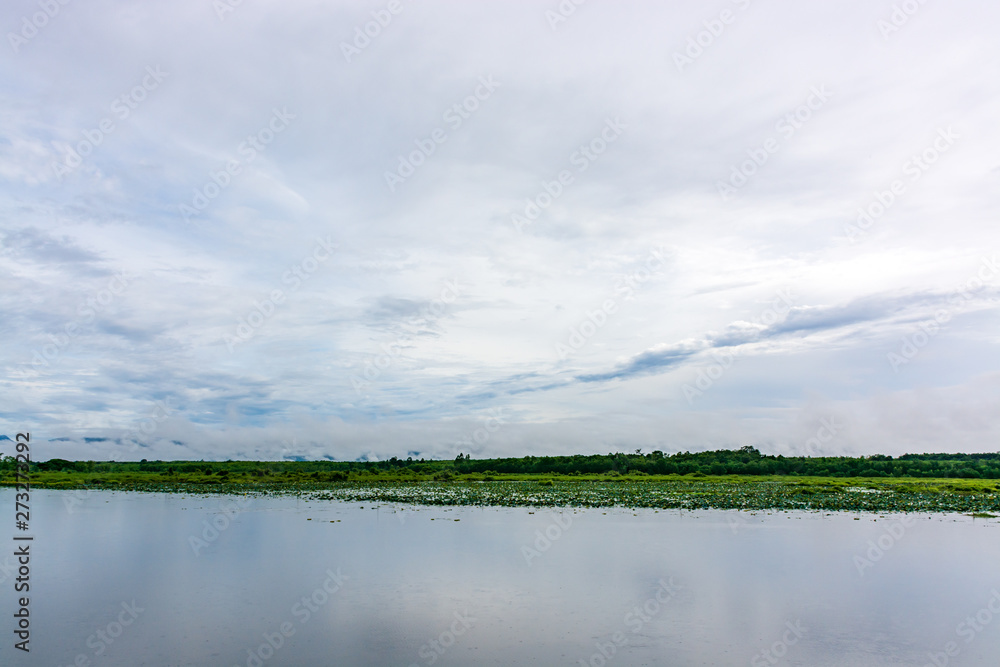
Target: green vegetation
(745, 461)
(740, 479)
(689, 492)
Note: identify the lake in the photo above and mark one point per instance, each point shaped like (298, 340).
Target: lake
(162, 579)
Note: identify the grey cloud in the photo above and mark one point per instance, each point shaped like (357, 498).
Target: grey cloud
(805, 320)
(33, 244)
(656, 359)
(655, 186)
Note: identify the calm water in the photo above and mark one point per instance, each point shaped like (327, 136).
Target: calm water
(485, 586)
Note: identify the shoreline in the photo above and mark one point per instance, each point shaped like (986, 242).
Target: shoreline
(897, 495)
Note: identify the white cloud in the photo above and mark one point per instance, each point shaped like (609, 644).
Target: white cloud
(494, 346)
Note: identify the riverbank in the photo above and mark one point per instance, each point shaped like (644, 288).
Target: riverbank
(661, 492)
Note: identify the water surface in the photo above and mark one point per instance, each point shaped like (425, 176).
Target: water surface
(360, 584)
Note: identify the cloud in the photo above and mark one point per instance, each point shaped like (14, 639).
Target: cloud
(874, 312)
(656, 359)
(85, 357)
(35, 245)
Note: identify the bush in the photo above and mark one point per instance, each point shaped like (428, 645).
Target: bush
(57, 464)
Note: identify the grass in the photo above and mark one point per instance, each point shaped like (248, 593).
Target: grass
(856, 494)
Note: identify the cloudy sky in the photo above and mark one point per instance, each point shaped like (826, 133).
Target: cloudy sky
(267, 229)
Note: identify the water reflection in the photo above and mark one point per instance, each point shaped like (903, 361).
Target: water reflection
(282, 581)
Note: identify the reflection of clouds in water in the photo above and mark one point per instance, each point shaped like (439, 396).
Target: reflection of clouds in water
(740, 579)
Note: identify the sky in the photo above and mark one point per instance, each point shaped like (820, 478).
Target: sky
(268, 229)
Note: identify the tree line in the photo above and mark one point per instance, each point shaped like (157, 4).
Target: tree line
(744, 461)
